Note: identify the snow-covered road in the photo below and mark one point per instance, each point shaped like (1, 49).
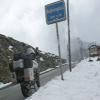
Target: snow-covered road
(81, 84)
(14, 92)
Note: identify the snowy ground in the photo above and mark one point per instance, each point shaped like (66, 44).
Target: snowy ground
(81, 84)
(4, 85)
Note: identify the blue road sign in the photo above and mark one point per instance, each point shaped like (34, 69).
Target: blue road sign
(55, 12)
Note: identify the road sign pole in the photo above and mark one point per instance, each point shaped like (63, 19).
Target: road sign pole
(55, 12)
(59, 52)
(69, 44)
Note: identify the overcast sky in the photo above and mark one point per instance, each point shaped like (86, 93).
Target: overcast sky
(25, 21)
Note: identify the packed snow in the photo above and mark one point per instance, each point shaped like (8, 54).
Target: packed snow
(4, 85)
(83, 83)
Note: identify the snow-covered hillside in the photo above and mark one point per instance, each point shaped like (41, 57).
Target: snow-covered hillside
(81, 84)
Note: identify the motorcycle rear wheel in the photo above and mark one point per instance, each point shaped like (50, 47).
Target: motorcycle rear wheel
(27, 89)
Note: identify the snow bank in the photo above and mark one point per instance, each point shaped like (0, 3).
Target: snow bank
(81, 84)
(4, 85)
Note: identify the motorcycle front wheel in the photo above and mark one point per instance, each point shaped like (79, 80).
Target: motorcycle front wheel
(27, 89)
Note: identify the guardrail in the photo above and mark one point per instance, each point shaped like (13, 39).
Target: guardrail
(73, 63)
(51, 69)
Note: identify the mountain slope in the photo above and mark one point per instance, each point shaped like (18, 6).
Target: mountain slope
(9, 46)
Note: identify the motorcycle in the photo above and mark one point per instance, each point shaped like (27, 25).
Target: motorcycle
(26, 73)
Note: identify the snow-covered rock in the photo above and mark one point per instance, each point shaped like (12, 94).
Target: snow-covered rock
(41, 59)
(83, 83)
(10, 48)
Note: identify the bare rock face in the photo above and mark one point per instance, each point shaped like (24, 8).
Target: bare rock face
(9, 46)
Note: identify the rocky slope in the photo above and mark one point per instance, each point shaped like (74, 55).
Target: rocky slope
(8, 46)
